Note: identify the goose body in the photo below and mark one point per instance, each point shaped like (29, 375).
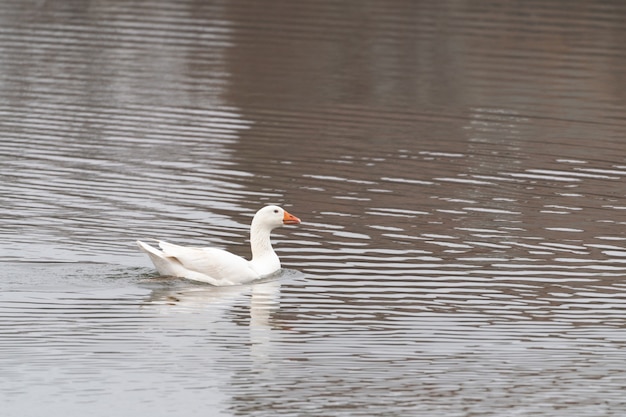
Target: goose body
(219, 267)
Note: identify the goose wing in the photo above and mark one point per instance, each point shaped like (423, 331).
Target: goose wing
(215, 266)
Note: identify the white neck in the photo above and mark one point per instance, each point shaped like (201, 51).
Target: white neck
(264, 259)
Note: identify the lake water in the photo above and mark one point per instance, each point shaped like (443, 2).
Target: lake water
(459, 169)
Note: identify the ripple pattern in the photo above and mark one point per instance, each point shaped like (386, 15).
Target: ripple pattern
(458, 169)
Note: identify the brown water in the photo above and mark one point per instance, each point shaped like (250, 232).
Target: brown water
(459, 169)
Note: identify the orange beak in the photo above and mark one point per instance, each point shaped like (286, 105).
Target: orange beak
(290, 219)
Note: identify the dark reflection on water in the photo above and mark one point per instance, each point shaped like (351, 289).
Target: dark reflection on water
(458, 168)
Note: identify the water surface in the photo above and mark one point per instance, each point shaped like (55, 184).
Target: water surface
(458, 169)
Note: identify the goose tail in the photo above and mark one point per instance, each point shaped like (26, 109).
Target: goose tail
(164, 264)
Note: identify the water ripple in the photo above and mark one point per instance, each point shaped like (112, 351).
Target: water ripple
(458, 175)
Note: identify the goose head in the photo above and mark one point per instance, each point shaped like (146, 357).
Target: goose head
(271, 217)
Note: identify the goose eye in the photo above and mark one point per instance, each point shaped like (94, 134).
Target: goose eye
(275, 211)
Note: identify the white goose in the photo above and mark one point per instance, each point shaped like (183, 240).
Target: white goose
(219, 267)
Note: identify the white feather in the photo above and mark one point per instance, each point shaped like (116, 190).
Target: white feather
(219, 267)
